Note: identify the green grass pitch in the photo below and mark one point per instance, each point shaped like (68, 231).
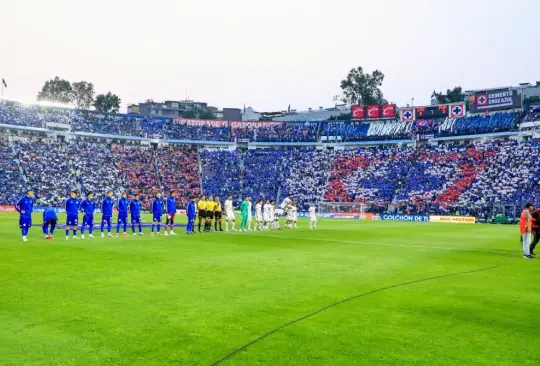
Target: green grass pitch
(192, 300)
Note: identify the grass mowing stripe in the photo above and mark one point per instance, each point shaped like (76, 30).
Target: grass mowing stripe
(297, 320)
(384, 244)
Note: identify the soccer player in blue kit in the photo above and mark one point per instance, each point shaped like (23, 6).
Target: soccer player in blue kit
(171, 213)
(107, 212)
(157, 212)
(50, 219)
(191, 214)
(123, 206)
(24, 207)
(135, 211)
(72, 212)
(88, 206)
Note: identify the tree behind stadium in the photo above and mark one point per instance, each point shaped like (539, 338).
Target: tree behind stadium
(362, 88)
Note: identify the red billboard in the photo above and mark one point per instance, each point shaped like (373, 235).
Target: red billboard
(358, 112)
(386, 111)
(373, 112)
(389, 111)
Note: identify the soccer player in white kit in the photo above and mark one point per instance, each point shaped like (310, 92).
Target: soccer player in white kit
(266, 214)
(289, 212)
(294, 214)
(250, 205)
(312, 211)
(229, 214)
(258, 216)
(286, 202)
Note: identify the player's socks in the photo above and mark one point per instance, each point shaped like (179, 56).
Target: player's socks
(199, 226)
(158, 228)
(133, 228)
(102, 234)
(140, 228)
(67, 233)
(45, 230)
(226, 225)
(153, 228)
(75, 232)
(102, 227)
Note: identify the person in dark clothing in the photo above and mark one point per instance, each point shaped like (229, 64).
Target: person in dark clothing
(535, 229)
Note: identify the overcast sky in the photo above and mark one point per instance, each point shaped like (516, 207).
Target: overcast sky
(267, 54)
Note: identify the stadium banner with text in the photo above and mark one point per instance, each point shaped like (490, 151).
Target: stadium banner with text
(254, 124)
(7, 209)
(373, 112)
(55, 209)
(453, 219)
(494, 100)
(349, 215)
(403, 217)
(201, 122)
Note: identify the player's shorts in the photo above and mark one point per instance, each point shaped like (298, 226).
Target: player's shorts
(72, 220)
(210, 215)
(230, 216)
(50, 222)
(202, 214)
(313, 218)
(25, 222)
(122, 219)
(259, 218)
(106, 219)
(266, 218)
(170, 217)
(135, 219)
(88, 219)
(219, 215)
(156, 218)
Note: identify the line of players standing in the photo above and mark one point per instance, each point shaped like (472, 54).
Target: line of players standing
(205, 209)
(88, 206)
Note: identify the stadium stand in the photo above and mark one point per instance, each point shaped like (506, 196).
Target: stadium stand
(480, 124)
(10, 176)
(445, 178)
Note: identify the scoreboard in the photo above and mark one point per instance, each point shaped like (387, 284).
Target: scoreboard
(440, 111)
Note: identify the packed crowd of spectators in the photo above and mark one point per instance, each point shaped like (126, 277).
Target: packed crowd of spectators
(221, 174)
(46, 166)
(147, 171)
(179, 131)
(307, 174)
(95, 168)
(10, 176)
(288, 132)
(533, 114)
(18, 114)
(445, 178)
(480, 124)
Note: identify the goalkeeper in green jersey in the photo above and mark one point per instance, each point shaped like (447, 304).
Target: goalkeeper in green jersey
(244, 209)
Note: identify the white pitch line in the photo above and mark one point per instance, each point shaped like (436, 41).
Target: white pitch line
(383, 244)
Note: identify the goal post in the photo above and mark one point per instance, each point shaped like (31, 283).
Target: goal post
(345, 210)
